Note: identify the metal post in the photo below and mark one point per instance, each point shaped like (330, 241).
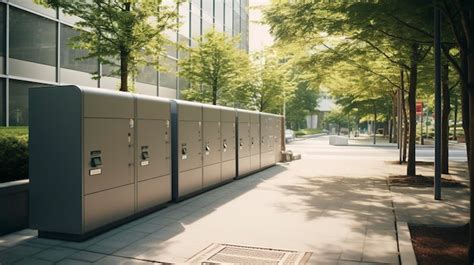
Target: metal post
(437, 51)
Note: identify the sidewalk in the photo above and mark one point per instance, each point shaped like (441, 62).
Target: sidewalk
(334, 203)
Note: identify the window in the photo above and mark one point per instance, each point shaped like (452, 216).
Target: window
(3, 101)
(147, 75)
(208, 7)
(168, 77)
(32, 38)
(219, 11)
(195, 25)
(228, 16)
(69, 55)
(18, 107)
(30, 4)
(206, 26)
(2, 37)
(236, 29)
(184, 19)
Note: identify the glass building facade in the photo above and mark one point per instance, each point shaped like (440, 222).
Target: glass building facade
(35, 51)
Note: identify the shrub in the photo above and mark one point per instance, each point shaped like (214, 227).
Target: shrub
(13, 154)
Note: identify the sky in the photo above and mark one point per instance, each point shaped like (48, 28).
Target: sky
(259, 35)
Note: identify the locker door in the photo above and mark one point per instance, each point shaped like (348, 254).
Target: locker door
(189, 145)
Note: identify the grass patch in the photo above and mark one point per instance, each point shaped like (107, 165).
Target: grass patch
(307, 132)
(13, 153)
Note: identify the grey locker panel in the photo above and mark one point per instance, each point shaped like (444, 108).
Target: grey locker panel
(190, 181)
(227, 115)
(244, 139)
(255, 162)
(108, 206)
(153, 140)
(189, 139)
(212, 143)
(228, 170)
(254, 139)
(189, 111)
(211, 175)
(153, 192)
(108, 104)
(244, 165)
(267, 159)
(228, 138)
(152, 108)
(111, 138)
(211, 113)
(255, 117)
(277, 137)
(244, 116)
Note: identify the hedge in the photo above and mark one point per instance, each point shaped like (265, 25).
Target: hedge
(13, 153)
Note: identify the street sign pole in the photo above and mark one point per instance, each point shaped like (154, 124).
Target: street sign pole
(437, 52)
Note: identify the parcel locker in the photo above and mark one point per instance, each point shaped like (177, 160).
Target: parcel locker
(228, 134)
(243, 142)
(153, 153)
(187, 159)
(277, 119)
(267, 153)
(254, 141)
(211, 131)
(82, 144)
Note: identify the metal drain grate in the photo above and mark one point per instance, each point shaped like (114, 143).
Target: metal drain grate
(225, 253)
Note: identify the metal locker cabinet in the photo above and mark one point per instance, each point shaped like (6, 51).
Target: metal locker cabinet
(278, 138)
(81, 160)
(211, 131)
(187, 154)
(153, 154)
(228, 165)
(243, 142)
(109, 195)
(267, 156)
(254, 141)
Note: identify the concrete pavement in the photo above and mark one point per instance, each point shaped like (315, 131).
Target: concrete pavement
(334, 202)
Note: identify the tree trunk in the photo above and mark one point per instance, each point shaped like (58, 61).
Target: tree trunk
(404, 136)
(393, 125)
(455, 119)
(411, 166)
(214, 95)
(445, 119)
(124, 58)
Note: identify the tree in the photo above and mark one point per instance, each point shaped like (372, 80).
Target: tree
(214, 68)
(303, 102)
(130, 31)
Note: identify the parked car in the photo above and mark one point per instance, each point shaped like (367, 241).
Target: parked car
(289, 135)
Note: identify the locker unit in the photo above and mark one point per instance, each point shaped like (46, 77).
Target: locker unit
(85, 162)
(211, 131)
(153, 154)
(187, 148)
(228, 134)
(254, 141)
(278, 121)
(267, 154)
(248, 142)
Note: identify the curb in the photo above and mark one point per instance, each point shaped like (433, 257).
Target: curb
(407, 254)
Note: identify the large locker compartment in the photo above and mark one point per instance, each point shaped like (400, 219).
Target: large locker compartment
(228, 134)
(153, 154)
(187, 148)
(211, 128)
(267, 153)
(243, 143)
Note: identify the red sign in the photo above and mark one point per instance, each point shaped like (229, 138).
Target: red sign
(419, 107)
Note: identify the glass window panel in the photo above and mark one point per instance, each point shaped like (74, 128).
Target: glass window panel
(18, 107)
(168, 77)
(195, 25)
(236, 28)
(184, 19)
(69, 55)
(228, 16)
(219, 11)
(30, 4)
(2, 30)
(3, 101)
(206, 26)
(236, 5)
(32, 38)
(148, 75)
(208, 7)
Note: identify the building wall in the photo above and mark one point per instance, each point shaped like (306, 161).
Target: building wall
(34, 51)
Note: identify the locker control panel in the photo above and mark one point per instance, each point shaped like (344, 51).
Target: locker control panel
(241, 143)
(208, 148)
(95, 163)
(145, 156)
(184, 151)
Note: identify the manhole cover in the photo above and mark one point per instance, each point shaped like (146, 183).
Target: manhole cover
(225, 253)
